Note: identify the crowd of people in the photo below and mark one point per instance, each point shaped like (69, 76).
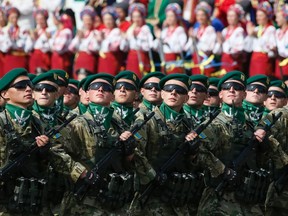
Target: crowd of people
(171, 38)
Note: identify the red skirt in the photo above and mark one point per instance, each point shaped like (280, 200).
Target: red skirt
(86, 61)
(15, 59)
(2, 58)
(228, 62)
(133, 62)
(260, 63)
(39, 59)
(109, 63)
(197, 70)
(277, 69)
(172, 57)
(60, 61)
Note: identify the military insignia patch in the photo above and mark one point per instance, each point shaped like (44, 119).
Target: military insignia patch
(242, 77)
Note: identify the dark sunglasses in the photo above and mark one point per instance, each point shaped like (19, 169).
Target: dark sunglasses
(126, 85)
(49, 88)
(73, 90)
(236, 86)
(151, 85)
(105, 86)
(199, 88)
(253, 87)
(61, 83)
(277, 94)
(178, 89)
(213, 92)
(22, 85)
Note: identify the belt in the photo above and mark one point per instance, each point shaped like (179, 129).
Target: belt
(18, 53)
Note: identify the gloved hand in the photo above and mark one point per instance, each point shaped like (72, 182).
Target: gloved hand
(230, 174)
(129, 146)
(91, 177)
(161, 178)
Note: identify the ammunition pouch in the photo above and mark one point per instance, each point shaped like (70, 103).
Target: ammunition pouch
(254, 186)
(28, 196)
(183, 188)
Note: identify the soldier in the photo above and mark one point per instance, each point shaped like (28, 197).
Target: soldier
(256, 94)
(212, 102)
(71, 96)
(150, 91)
(83, 100)
(197, 94)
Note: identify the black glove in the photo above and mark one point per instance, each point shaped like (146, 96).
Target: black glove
(193, 147)
(91, 177)
(161, 178)
(129, 146)
(230, 174)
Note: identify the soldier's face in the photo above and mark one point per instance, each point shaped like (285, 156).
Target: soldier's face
(212, 99)
(124, 95)
(99, 96)
(197, 94)
(71, 96)
(45, 97)
(21, 97)
(275, 98)
(150, 93)
(231, 95)
(256, 94)
(174, 99)
(84, 99)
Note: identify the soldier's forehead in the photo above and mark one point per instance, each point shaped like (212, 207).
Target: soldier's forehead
(176, 82)
(231, 80)
(152, 79)
(275, 88)
(100, 80)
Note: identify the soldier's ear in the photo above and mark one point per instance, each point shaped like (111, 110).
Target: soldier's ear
(5, 94)
(220, 95)
(162, 94)
(186, 98)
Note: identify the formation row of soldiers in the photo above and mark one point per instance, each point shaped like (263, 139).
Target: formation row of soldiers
(171, 157)
(108, 47)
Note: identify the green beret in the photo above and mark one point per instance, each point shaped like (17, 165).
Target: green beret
(200, 78)
(259, 78)
(128, 75)
(233, 75)
(74, 82)
(108, 77)
(9, 77)
(61, 73)
(81, 83)
(49, 76)
(31, 76)
(180, 77)
(280, 84)
(214, 81)
(149, 75)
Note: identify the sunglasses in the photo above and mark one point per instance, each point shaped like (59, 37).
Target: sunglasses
(213, 92)
(236, 86)
(277, 94)
(178, 89)
(126, 85)
(253, 87)
(199, 88)
(151, 85)
(22, 85)
(73, 90)
(61, 83)
(105, 86)
(41, 86)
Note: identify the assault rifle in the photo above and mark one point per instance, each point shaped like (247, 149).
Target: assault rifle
(181, 150)
(99, 169)
(18, 161)
(246, 154)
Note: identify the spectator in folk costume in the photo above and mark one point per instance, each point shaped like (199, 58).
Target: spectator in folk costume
(109, 54)
(3, 21)
(282, 41)
(202, 39)
(122, 10)
(231, 41)
(172, 39)
(17, 42)
(60, 41)
(85, 44)
(41, 55)
(261, 41)
(139, 41)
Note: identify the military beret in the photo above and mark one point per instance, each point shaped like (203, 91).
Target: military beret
(108, 77)
(200, 78)
(214, 81)
(49, 76)
(259, 78)
(31, 76)
(128, 75)
(280, 84)
(74, 82)
(180, 77)
(81, 83)
(149, 75)
(233, 75)
(61, 73)
(9, 77)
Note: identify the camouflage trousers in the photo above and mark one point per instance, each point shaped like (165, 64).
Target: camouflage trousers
(155, 207)
(276, 204)
(210, 204)
(44, 212)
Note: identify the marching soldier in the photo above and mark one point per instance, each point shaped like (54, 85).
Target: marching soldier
(212, 102)
(83, 99)
(71, 95)
(276, 96)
